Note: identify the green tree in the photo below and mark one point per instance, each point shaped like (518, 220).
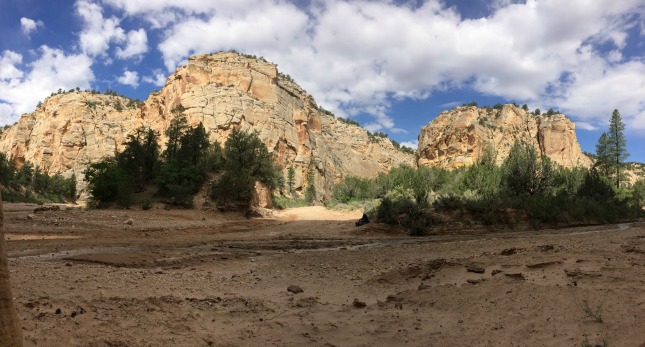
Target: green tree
(246, 161)
(140, 158)
(291, 179)
(603, 156)
(25, 174)
(617, 147)
(7, 169)
(185, 161)
(107, 182)
(526, 173)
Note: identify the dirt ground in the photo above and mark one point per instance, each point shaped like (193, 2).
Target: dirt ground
(203, 278)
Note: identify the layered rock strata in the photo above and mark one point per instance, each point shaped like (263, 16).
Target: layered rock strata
(459, 137)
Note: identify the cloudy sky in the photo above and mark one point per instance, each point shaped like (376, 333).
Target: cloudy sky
(391, 65)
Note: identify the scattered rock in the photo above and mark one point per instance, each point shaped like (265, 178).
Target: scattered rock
(473, 281)
(294, 289)
(423, 286)
(46, 208)
(495, 272)
(59, 311)
(509, 251)
(358, 304)
(31, 216)
(129, 221)
(545, 248)
(476, 269)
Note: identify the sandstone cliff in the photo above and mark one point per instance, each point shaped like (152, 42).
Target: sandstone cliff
(223, 91)
(458, 137)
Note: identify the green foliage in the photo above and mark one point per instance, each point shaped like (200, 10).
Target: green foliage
(38, 186)
(524, 173)
(638, 193)
(611, 150)
(107, 182)
(310, 191)
(526, 186)
(282, 202)
(353, 189)
(291, 175)
(140, 158)
(7, 169)
(187, 156)
(246, 161)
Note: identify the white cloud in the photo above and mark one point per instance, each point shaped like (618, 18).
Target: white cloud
(8, 65)
(137, 44)
(158, 78)
(129, 78)
(21, 90)
(411, 144)
(358, 56)
(29, 25)
(98, 32)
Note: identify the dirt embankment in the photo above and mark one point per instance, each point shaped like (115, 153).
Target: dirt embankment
(201, 278)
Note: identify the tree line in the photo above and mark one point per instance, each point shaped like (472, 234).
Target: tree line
(527, 186)
(28, 183)
(179, 171)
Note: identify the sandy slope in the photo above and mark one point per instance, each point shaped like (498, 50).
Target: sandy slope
(193, 278)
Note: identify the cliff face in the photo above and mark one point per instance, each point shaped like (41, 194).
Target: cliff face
(224, 91)
(459, 137)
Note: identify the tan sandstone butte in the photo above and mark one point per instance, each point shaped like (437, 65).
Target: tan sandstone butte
(460, 136)
(224, 91)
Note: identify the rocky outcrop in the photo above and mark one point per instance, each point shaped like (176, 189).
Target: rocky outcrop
(224, 91)
(460, 136)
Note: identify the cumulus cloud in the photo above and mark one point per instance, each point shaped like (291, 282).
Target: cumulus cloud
(29, 25)
(129, 78)
(98, 32)
(157, 78)
(358, 56)
(411, 144)
(9, 62)
(22, 88)
(137, 44)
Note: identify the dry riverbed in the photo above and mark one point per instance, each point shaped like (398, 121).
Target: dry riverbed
(309, 277)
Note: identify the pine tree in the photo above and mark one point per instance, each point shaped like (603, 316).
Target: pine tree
(612, 149)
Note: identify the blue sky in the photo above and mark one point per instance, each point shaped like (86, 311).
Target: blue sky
(391, 65)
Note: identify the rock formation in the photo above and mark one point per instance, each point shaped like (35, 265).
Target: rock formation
(460, 136)
(223, 91)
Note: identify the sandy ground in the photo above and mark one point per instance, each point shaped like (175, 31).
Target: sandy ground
(201, 278)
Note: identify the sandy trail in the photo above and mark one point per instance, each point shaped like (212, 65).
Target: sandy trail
(201, 278)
